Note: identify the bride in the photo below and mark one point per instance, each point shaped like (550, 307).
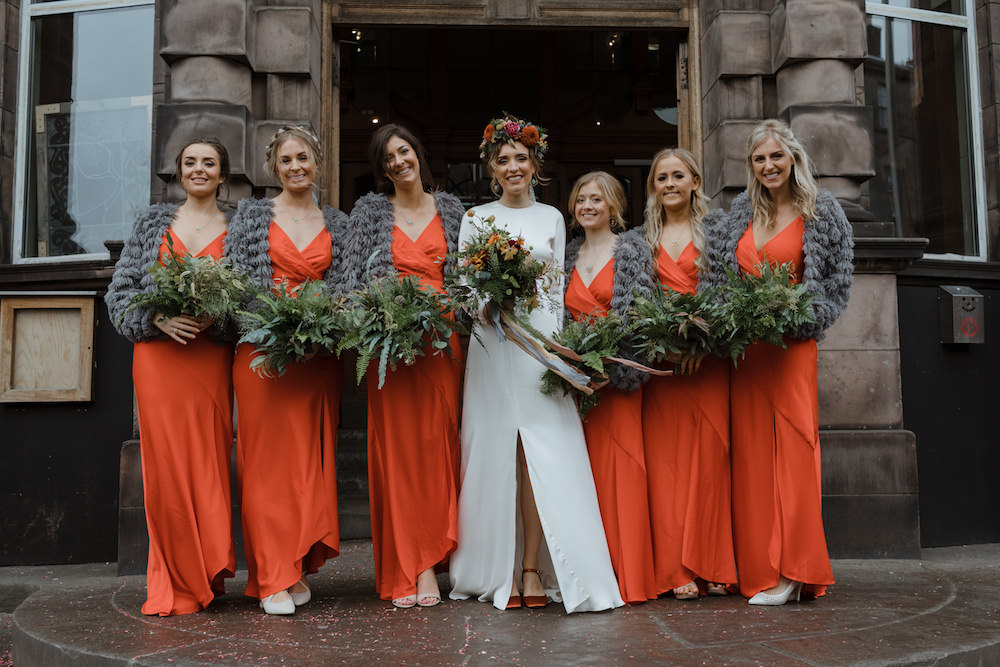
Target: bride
(526, 481)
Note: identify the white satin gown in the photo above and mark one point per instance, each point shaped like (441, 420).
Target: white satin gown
(502, 398)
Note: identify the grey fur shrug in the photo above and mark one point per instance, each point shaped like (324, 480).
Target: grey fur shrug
(828, 257)
(371, 229)
(247, 243)
(635, 273)
(131, 277)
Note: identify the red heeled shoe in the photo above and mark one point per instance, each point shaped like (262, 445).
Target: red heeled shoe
(533, 601)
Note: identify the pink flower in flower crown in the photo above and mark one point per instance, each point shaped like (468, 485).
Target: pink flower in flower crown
(510, 127)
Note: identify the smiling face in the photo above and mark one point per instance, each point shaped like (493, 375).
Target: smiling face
(201, 172)
(673, 184)
(512, 169)
(772, 165)
(591, 209)
(296, 165)
(400, 162)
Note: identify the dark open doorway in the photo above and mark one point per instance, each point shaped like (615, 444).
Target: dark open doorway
(609, 100)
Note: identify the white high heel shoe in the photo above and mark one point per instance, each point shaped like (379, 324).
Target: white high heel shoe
(300, 599)
(280, 607)
(779, 598)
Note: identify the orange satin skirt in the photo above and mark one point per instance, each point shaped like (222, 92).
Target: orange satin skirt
(777, 498)
(413, 466)
(286, 447)
(614, 441)
(685, 425)
(184, 397)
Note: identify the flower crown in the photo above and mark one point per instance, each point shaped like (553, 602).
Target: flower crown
(508, 130)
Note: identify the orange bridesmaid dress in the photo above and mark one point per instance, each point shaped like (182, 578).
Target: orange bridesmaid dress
(777, 498)
(184, 395)
(613, 430)
(685, 424)
(413, 443)
(286, 445)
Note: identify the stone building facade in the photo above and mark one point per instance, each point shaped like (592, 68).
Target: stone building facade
(238, 69)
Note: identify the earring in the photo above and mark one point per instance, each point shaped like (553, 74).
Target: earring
(495, 187)
(534, 181)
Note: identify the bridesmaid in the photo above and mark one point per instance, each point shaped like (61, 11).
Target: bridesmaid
(183, 388)
(527, 512)
(685, 417)
(413, 420)
(606, 268)
(777, 508)
(287, 431)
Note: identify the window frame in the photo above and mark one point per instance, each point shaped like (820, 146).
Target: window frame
(965, 22)
(30, 10)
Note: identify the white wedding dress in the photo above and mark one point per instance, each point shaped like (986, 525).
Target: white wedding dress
(502, 399)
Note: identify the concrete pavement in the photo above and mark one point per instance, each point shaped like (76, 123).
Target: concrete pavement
(943, 609)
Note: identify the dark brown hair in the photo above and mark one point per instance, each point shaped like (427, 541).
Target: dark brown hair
(376, 153)
(219, 149)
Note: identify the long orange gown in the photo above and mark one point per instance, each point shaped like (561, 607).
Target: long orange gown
(185, 399)
(286, 445)
(613, 430)
(777, 497)
(685, 424)
(413, 444)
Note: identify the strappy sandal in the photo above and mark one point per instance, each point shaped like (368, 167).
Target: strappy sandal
(533, 601)
(688, 591)
(713, 588)
(405, 602)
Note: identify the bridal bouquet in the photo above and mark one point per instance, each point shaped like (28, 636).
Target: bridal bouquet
(289, 325)
(676, 328)
(394, 320)
(495, 266)
(761, 308)
(202, 287)
(587, 345)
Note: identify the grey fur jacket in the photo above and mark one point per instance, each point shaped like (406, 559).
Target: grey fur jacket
(635, 273)
(828, 257)
(131, 277)
(247, 243)
(371, 229)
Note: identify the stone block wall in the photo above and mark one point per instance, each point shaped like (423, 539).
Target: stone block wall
(780, 58)
(256, 68)
(10, 36)
(988, 43)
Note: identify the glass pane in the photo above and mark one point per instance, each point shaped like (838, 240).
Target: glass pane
(916, 83)
(944, 6)
(89, 155)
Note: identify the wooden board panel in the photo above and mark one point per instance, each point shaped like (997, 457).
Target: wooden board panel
(46, 348)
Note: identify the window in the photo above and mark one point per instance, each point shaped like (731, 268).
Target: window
(84, 126)
(921, 80)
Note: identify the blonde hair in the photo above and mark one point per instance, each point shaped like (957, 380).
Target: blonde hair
(493, 156)
(699, 205)
(804, 188)
(285, 133)
(613, 193)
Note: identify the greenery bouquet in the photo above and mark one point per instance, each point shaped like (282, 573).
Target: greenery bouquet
(587, 345)
(675, 328)
(760, 308)
(395, 320)
(291, 324)
(202, 287)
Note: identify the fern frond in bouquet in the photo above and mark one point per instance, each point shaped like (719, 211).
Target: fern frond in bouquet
(761, 308)
(593, 340)
(673, 327)
(288, 325)
(202, 287)
(495, 266)
(395, 320)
